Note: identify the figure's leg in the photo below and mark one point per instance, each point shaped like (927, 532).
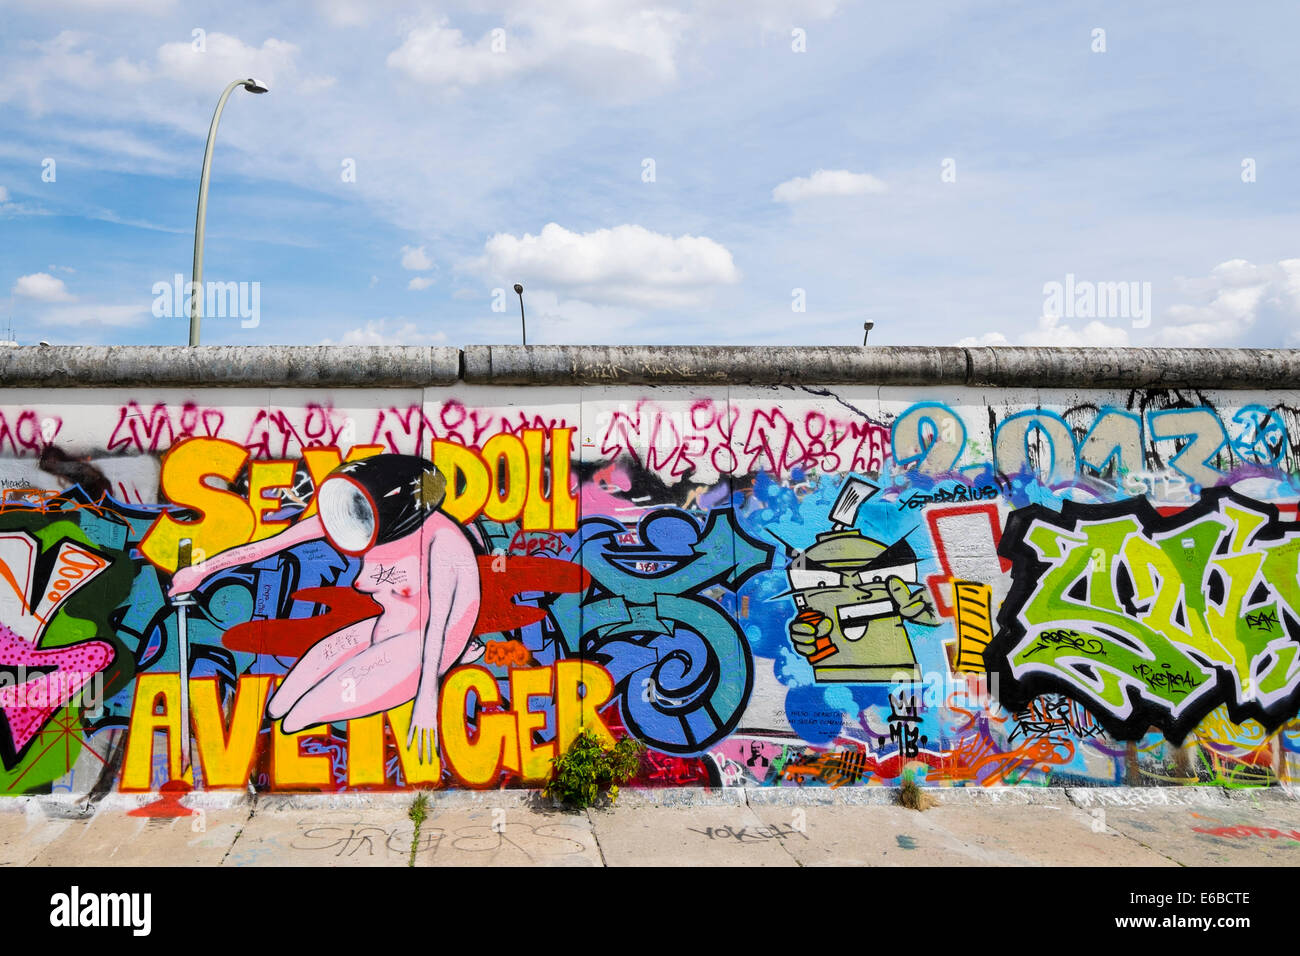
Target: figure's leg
(381, 677)
(322, 658)
(454, 595)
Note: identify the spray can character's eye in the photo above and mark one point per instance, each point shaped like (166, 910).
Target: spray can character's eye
(880, 575)
(803, 580)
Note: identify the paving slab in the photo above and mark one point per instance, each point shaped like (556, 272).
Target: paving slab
(1043, 826)
(517, 836)
(26, 831)
(874, 836)
(382, 835)
(296, 835)
(1045, 835)
(111, 837)
(1027, 828)
(1235, 835)
(689, 836)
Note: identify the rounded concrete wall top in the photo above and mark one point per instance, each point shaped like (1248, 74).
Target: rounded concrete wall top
(410, 366)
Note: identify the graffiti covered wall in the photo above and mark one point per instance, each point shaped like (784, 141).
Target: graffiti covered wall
(768, 586)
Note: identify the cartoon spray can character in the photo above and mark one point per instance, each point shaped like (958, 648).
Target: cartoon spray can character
(855, 597)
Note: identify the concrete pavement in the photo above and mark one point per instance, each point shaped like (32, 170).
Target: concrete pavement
(998, 827)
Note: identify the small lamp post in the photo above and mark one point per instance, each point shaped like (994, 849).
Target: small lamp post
(519, 291)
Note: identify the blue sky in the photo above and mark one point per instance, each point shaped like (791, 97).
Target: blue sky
(929, 167)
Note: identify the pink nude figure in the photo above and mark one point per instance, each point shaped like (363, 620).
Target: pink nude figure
(416, 563)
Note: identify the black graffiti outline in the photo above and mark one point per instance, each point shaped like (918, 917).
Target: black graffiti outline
(1015, 693)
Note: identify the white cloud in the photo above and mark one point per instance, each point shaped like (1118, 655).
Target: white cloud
(978, 341)
(609, 48)
(827, 182)
(345, 13)
(90, 314)
(72, 74)
(772, 15)
(1238, 304)
(226, 57)
(4, 194)
(69, 60)
(627, 264)
(438, 54)
(125, 6)
(380, 332)
(415, 259)
(1050, 331)
(602, 46)
(1241, 303)
(111, 96)
(42, 287)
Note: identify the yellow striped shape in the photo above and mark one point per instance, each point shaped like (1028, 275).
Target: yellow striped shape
(973, 602)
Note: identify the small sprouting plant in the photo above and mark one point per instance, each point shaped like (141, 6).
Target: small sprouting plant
(418, 812)
(580, 775)
(912, 796)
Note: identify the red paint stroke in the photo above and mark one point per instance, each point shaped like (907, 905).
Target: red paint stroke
(168, 803)
(498, 612)
(292, 637)
(1243, 831)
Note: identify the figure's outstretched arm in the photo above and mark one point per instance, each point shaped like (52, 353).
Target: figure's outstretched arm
(188, 579)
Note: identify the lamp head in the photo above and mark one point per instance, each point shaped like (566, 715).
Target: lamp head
(519, 290)
(254, 86)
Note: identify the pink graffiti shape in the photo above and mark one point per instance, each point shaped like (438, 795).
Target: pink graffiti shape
(29, 705)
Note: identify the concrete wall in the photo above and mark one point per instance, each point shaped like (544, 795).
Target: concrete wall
(779, 567)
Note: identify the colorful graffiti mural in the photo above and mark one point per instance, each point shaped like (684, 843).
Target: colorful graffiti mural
(767, 587)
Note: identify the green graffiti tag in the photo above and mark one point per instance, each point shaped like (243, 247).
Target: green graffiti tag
(1153, 621)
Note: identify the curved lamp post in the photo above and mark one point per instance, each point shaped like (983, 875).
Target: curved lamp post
(196, 286)
(519, 291)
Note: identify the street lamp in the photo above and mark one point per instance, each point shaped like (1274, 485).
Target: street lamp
(519, 291)
(196, 284)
